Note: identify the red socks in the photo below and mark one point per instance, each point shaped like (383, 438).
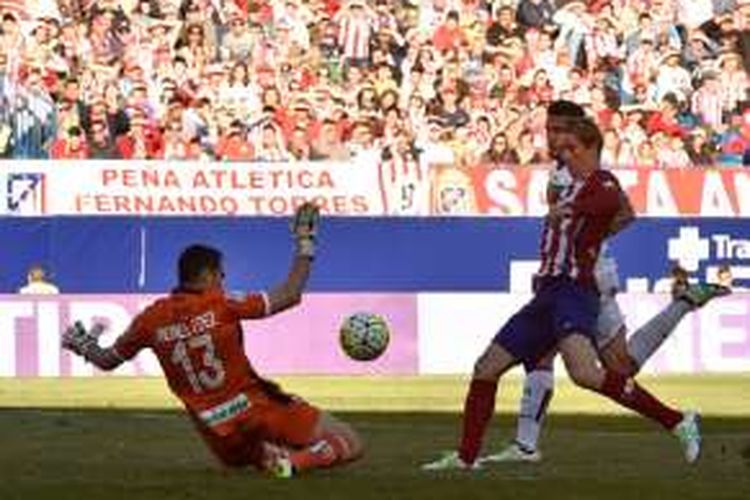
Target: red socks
(478, 409)
(629, 394)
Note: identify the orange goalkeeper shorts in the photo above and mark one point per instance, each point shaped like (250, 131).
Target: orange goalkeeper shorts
(286, 421)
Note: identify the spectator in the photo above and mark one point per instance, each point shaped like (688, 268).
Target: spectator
(185, 71)
(451, 111)
(270, 145)
(101, 145)
(734, 80)
(700, 149)
(141, 142)
(708, 101)
(233, 144)
(535, 13)
(238, 43)
(665, 119)
(502, 28)
(499, 153)
(525, 151)
(328, 145)
(672, 77)
(37, 283)
(449, 35)
(72, 146)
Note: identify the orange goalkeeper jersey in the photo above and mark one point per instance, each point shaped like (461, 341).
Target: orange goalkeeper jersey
(197, 338)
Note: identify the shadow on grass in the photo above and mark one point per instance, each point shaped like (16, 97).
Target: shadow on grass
(571, 421)
(153, 454)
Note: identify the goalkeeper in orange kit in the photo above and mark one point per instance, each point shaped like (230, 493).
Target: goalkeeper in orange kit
(196, 334)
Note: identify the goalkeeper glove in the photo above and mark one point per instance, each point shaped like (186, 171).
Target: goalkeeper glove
(305, 227)
(76, 339)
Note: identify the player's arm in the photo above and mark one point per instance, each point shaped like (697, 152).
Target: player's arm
(85, 343)
(624, 216)
(304, 229)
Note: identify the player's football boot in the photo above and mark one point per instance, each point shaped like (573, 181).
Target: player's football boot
(514, 452)
(689, 433)
(699, 294)
(679, 281)
(449, 461)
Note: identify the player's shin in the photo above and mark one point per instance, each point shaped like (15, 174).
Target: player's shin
(537, 392)
(630, 394)
(580, 360)
(480, 400)
(645, 341)
(331, 449)
(478, 409)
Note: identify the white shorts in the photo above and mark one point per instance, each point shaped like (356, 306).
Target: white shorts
(610, 321)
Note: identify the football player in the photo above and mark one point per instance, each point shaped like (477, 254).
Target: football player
(196, 333)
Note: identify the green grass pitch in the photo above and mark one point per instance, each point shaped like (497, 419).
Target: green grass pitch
(127, 439)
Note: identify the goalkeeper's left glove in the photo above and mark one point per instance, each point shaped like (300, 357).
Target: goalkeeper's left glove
(305, 227)
(77, 339)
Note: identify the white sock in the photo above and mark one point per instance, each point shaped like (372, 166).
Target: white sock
(644, 342)
(537, 392)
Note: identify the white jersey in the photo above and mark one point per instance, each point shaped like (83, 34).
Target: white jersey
(611, 319)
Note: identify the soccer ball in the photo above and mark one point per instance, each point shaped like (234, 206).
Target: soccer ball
(364, 336)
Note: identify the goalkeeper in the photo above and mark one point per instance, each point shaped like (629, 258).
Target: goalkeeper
(196, 334)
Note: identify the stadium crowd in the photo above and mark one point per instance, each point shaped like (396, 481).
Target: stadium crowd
(461, 81)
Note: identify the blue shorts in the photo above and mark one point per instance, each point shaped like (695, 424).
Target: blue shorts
(559, 308)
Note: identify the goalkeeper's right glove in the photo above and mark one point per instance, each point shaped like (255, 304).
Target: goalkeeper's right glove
(305, 227)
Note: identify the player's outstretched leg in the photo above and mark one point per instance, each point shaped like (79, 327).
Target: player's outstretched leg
(478, 409)
(334, 443)
(581, 362)
(645, 341)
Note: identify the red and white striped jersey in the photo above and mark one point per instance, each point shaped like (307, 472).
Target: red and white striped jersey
(354, 37)
(571, 244)
(405, 185)
(708, 104)
(734, 86)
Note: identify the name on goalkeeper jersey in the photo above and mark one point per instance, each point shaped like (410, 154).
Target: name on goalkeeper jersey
(195, 326)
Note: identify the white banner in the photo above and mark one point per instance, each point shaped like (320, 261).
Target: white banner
(187, 188)
(454, 328)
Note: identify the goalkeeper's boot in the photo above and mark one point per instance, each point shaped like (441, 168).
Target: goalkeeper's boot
(449, 461)
(514, 452)
(689, 433)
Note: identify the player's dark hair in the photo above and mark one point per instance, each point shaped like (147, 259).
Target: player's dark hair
(196, 259)
(588, 133)
(565, 109)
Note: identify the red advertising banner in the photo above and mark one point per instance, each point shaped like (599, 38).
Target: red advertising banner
(656, 193)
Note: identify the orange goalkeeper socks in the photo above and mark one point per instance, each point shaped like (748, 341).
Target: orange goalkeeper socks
(330, 450)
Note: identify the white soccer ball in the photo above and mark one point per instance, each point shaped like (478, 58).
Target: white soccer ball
(364, 336)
